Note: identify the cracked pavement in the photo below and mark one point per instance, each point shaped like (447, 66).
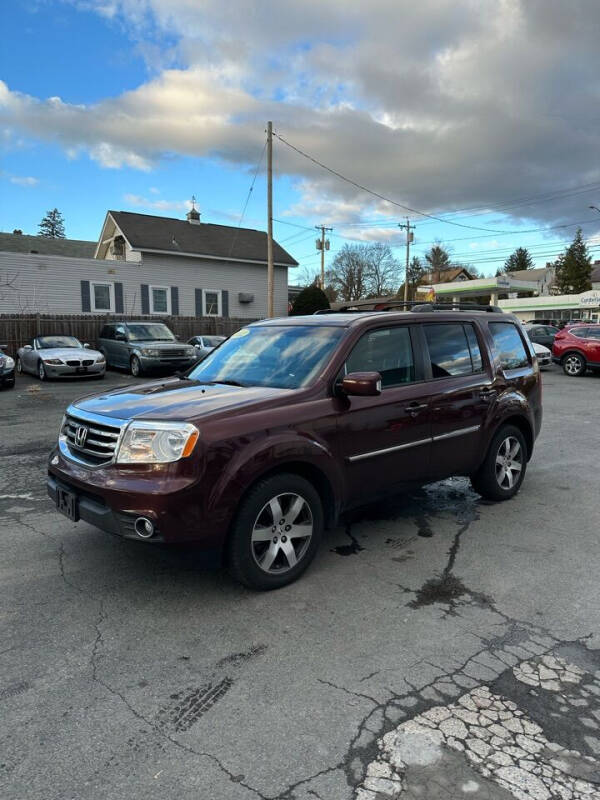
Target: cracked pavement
(439, 647)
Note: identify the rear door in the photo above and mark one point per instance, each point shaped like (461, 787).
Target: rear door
(592, 346)
(385, 440)
(462, 389)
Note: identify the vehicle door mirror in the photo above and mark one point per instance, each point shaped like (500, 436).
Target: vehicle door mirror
(361, 384)
(27, 347)
(86, 345)
(120, 337)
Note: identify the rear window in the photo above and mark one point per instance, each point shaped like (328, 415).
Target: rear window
(508, 345)
(453, 349)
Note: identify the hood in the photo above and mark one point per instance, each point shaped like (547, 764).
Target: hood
(67, 353)
(540, 350)
(176, 399)
(160, 345)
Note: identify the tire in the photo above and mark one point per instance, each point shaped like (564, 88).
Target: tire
(19, 366)
(574, 365)
(261, 553)
(493, 480)
(135, 366)
(41, 371)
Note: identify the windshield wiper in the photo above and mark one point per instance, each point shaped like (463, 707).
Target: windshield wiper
(230, 383)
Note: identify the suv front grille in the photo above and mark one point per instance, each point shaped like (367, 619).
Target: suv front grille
(92, 442)
(172, 354)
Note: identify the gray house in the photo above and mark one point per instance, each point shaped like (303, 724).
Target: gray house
(149, 265)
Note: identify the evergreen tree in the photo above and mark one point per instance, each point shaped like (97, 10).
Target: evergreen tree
(53, 225)
(309, 300)
(520, 259)
(573, 268)
(438, 260)
(416, 274)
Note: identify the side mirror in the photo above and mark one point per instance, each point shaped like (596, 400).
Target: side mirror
(362, 384)
(120, 337)
(27, 347)
(86, 345)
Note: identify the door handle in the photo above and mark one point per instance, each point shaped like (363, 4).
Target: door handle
(415, 408)
(487, 394)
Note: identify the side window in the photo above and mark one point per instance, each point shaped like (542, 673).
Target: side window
(581, 333)
(387, 351)
(449, 350)
(593, 333)
(508, 345)
(119, 333)
(476, 360)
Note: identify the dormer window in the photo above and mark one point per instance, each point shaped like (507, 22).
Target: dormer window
(118, 247)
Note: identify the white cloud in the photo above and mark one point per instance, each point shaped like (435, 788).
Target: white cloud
(24, 180)
(138, 201)
(458, 104)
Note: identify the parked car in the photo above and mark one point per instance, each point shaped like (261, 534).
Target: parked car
(143, 347)
(205, 344)
(292, 421)
(577, 349)
(59, 357)
(541, 334)
(7, 368)
(544, 355)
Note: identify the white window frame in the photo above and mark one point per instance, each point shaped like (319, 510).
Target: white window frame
(219, 294)
(111, 294)
(167, 289)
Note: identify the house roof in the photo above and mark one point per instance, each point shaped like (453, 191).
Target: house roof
(21, 243)
(169, 235)
(595, 276)
(446, 275)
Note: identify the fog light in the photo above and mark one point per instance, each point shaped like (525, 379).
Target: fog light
(144, 527)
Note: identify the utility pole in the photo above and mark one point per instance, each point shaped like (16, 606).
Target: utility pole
(322, 245)
(270, 308)
(409, 238)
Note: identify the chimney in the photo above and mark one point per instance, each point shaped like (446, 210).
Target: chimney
(193, 216)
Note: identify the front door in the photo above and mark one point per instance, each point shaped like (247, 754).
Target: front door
(385, 440)
(462, 392)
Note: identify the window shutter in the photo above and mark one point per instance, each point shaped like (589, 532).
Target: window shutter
(85, 296)
(174, 301)
(225, 302)
(198, 302)
(119, 308)
(145, 299)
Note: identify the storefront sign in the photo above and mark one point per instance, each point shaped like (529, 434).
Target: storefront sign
(591, 298)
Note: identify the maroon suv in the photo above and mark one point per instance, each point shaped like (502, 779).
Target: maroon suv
(292, 421)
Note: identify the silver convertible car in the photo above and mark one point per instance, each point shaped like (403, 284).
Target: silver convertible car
(59, 356)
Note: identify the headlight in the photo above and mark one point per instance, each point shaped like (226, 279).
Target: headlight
(8, 362)
(191, 351)
(157, 442)
(52, 361)
(151, 352)
(100, 360)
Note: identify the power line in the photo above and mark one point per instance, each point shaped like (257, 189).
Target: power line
(250, 190)
(381, 196)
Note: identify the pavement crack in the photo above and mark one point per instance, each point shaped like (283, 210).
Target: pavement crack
(349, 691)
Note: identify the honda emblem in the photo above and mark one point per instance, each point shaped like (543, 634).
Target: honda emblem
(81, 435)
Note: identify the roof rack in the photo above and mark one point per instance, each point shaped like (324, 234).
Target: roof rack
(416, 306)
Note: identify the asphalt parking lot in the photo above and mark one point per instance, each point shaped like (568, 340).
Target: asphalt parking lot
(439, 647)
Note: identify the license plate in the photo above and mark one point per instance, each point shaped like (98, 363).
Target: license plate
(81, 369)
(66, 503)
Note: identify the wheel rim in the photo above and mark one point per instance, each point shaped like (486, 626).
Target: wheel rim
(281, 533)
(573, 365)
(19, 366)
(41, 371)
(509, 462)
(135, 367)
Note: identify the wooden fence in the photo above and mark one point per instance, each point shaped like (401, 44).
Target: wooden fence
(16, 330)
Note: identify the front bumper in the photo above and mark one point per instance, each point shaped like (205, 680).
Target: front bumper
(544, 361)
(154, 364)
(7, 376)
(112, 498)
(64, 370)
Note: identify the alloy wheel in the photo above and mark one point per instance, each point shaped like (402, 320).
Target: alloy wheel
(135, 366)
(509, 462)
(41, 371)
(19, 366)
(282, 532)
(573, 365)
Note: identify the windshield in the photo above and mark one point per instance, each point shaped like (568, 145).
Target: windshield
(46, 342)
(150, 331)
(283, 357)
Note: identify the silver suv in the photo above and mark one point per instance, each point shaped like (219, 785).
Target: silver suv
(144, 346)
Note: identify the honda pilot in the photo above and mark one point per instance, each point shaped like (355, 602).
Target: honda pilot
(290, 422)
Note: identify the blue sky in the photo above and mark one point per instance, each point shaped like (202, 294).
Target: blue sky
(162, 99)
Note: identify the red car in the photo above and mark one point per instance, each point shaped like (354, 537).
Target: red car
(577, 349)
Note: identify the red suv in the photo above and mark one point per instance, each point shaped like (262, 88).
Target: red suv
(292, 421)
(577, 349)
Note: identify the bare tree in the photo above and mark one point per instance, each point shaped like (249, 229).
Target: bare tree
(348, 274)
(383, 270)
